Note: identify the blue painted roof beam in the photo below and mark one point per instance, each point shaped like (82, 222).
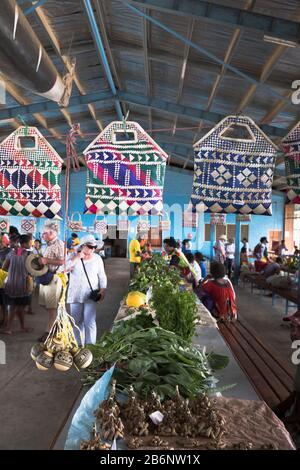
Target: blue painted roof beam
(101, 50)
(33, 7)
(146, 101)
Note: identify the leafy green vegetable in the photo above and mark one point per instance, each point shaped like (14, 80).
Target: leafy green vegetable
(155, 272)
(151, 359)
(175, 310)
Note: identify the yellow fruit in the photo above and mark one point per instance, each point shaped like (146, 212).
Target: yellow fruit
(136, 299)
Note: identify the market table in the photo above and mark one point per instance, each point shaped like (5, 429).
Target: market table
(207, 335)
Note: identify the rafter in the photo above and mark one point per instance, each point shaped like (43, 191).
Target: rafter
(235, 16)
(195, 66)
(265, 73)
(15, 93)
(186, 52)
(65, 61)
(139, 100)
(148, 80)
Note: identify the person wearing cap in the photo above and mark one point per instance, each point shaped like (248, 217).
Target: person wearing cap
(87, 275)
(53, 258)
(219, 249)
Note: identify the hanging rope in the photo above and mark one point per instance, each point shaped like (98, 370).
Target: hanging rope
(71, 156)
(23, 121)
(70, 146)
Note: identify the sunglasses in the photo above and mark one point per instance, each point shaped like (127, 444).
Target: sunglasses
(91, 247)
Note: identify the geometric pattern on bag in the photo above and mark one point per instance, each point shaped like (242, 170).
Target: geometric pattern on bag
(190, 219)
(4, 224)
(124, 176)
(28, 226)
(100, 226)
(234, 175)
(75, 225)
(29, 179)
(243, 218)
(123, 225)
(217, 219)
(291, 148)
(143, 226)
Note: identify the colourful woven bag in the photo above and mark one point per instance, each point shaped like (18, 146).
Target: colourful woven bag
(291, 148)
(234, 174)
(126, 171)
(29, 178)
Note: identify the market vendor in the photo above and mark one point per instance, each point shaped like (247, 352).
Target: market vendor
(177, 259)
(134, 254)
(53, 257)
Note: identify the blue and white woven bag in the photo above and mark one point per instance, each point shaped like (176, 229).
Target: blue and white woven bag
(234, 174)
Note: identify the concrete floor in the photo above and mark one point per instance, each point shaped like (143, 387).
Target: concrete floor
(35, 405)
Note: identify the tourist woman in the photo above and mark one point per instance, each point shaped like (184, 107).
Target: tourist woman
(87, 286)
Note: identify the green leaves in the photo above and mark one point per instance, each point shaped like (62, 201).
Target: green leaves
(151, 359)
(175, 310)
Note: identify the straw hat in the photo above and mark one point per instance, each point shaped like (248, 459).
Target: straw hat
(34, 267)
(222, 237)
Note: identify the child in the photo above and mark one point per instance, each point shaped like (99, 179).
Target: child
(221, 291)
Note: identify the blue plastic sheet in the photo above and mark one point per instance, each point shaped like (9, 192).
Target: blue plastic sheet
(84, 418)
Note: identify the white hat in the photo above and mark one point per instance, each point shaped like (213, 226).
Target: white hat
(88, 240)
(222, 237)
(34, 267)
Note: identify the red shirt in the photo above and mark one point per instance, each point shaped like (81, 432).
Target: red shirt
(223, 296)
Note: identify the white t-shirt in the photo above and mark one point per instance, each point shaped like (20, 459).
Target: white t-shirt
(79, 289)
(230, 250)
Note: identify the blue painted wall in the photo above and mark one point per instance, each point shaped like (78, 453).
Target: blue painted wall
(177, 191)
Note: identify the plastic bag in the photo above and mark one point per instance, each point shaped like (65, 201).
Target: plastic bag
(84, 418)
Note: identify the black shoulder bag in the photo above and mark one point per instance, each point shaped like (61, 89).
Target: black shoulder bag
(95, 294)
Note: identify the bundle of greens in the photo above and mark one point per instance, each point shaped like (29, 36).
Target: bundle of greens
(153, 359)
(175, 310)
(154, 272)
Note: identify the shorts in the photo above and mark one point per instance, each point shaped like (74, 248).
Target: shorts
(26, 300)
(49, 295)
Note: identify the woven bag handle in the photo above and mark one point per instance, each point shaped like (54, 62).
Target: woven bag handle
(248, 126)
(73, 215)
(19, 137)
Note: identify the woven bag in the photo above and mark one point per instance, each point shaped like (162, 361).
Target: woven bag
(234, 174)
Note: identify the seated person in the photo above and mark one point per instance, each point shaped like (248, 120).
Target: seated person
(221, 292)
(201, 261)
(198, 274)
(272, 268)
